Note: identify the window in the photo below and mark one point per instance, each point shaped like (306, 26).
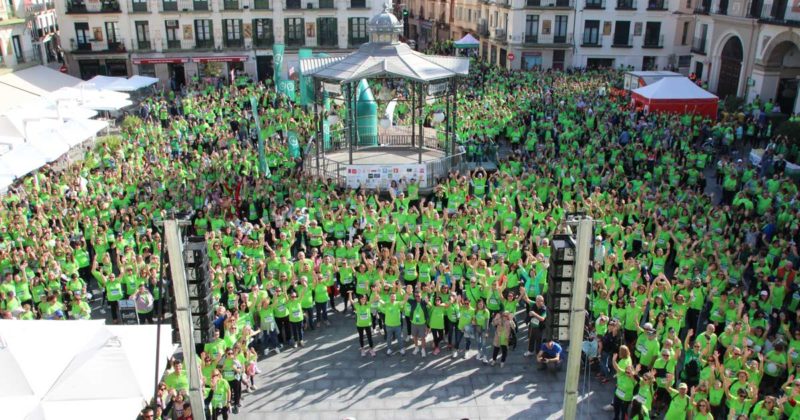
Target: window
(262, 32)
(357, 31)
(17, 44)
(148, 70)
(232, 30)
(261, 4)
(326, 4)
(112, 35)
(358, 4)
(200, 4)
(621, 30)
(82, 36)
(684, 61)
(532, 29)
(560, 35)
(294, 31)
(169, 5)
(172, 34)
(685, 33)
(558, 59)
(142, 34)
(139, 5)
(652, 34)
(327, 35)
(591, 32)
(203, 33)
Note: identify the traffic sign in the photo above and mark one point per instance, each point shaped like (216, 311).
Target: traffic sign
(511, 56)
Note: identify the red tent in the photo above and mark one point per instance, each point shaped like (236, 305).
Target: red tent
(676, 95)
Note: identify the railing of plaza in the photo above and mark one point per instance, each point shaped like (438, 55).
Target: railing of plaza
(340, 142)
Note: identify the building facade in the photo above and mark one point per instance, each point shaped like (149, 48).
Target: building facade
(749, 49)
(176, 40)
(28, 33)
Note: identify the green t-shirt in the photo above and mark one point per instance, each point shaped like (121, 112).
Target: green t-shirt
(392, 312)
(625, 386)
(363, 315)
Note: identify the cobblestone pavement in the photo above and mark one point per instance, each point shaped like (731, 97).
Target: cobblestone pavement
(328, 379)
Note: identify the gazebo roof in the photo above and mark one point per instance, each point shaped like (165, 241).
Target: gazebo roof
(385, 56)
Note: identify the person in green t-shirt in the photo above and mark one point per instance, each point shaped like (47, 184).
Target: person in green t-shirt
(220, 395)
(623, 394)
(393, 312)
(177, 379)
(363, 310)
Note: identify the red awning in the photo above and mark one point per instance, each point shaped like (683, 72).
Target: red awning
(163, 60)
(220, 59)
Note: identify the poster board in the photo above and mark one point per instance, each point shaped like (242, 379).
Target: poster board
(381, 176)
(127, 312)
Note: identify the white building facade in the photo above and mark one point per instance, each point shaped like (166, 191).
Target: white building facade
(176, 40)
(28, 33)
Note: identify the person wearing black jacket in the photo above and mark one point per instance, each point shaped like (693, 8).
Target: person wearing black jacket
(609, 346)
(419, 321)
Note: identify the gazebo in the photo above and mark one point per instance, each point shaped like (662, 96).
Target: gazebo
(423, 79)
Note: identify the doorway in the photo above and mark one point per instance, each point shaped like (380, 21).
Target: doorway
(730, 68)
(177, 75)
(787, 94)
(264, 68)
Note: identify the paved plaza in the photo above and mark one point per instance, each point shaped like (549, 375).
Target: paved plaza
(328, 379)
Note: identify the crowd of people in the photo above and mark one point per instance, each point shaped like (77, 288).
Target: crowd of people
(693, 305)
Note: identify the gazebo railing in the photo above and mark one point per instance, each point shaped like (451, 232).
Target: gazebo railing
(340, 142)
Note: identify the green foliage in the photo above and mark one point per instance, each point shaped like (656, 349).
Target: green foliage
(130, 124)
(113, 141)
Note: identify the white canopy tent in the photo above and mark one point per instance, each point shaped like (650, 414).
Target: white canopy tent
(86, 97)
(21, 160)
(82, 368)
(120, 84)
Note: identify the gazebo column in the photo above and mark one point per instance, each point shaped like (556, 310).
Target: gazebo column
(421, 121)
(351, 123)
(320, 108)
(454, 121)
(448, 121)
(413, 97)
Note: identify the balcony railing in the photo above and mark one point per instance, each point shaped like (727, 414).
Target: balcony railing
(144, 45)
(263, 42)
(550, 3)
(300, 42)
(703, 8)
(169, 6)
(137, 6)
(204, 43)
(776, 13)
(230, 5)
(483, 29)
(233, 43)
(261, 4)
(499, 34)
(105, 6)
(40, 7)
(622, 43)
(626, 4)
(592, 41)
(293, 4)
(657, 5)
(201, 5)
(172, 44)
(80, 46)
(554, 39)
(358, 4)
(699, 45)
(595, 4)
(653, 41)
(327, 4)
(531, 38)
(117, 45)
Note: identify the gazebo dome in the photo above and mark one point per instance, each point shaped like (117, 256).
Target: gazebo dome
(385, 28)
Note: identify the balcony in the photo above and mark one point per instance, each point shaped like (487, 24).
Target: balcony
(592, 41)
(327, 4)
(261, 4)
(105, 6)
(137, 6)
(263, 42)
(699, 46)
(653, 41)
(776, 14)
(204, 43)
(293, 5)
(233, 43)
(626, 4)
(200, 5)
(558, 4)
(595, 5)
(620, 42)
(360, 4)
(228, 5)
(483, 28)
(531, 38)
(116, 45)
(506, 4)
(40, 7)
(301, 42)
(144, 45)
(169, 6)
(80, 46)
(703, 8)
(658, 5)
(172, 44)
(499, 35)
(561, 41)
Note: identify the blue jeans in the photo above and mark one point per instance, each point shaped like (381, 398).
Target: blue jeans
(394, 333)
(480, 340)
(461, 334)
(605, 360)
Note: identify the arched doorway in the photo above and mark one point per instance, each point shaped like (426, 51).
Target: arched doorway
(785, 57)
(730, 67)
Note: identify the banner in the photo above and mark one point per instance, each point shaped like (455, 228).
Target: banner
(286, 87)
(381, 176)
(262, 158)
(294, 144)
(306, 82)
(277, 59)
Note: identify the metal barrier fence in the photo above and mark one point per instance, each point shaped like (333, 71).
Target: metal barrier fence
(340, 142)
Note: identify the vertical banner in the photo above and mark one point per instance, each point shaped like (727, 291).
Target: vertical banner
(306, 84)
(262, 158)
(294, 144)
(277, 59)
(326, 125)
(287, 87)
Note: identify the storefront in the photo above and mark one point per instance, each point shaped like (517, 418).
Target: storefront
(219, 66)
(171, 70)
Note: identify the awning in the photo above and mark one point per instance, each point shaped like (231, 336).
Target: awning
(222, 59)
(161, 60)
